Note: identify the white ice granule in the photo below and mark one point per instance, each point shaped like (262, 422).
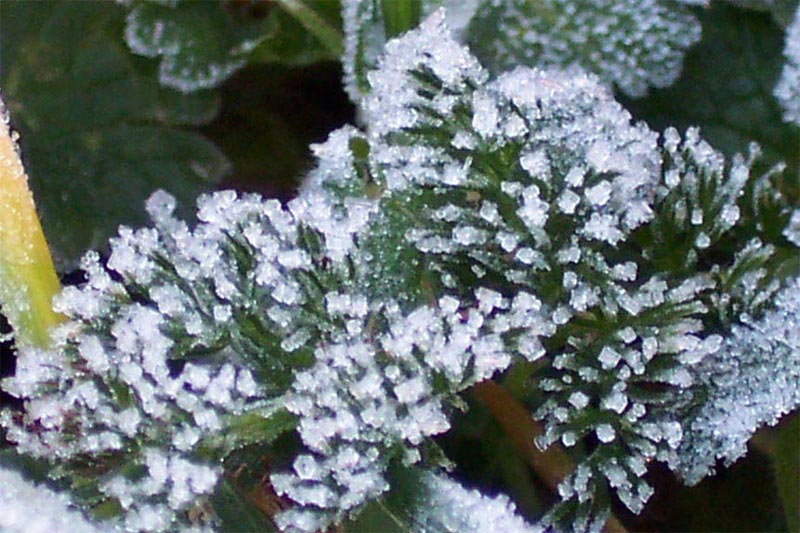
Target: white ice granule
(29, 508)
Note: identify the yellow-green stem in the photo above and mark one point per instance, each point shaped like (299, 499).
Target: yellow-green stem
(28, 280)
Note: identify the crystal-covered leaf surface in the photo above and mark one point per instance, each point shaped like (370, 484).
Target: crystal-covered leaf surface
(726, 89)
(99, 133)
(632, 44)
(201, 44)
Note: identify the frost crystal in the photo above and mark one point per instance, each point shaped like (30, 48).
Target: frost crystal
(787, 91)
(753, 380)
(373, 388)
(633, 43)
(160, 358)
(792, 231)
(28, 508)
(453, 508)
(366, 35)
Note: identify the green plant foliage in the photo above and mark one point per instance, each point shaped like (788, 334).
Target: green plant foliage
(781, 10)
(100, 133)
(787, 465)
(288, 41)
(726, 89)
(201, 44)
(501, 302)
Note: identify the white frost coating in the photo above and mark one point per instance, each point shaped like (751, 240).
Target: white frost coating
(631, 43)
(389, 106)
(754, 379)
(787, 91)
(197, 288)
(369, 391)
(162, 31)
(792, 230)
(452, 508)
(365, 37)
(29, 508)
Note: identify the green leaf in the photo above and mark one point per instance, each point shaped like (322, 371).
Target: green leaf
(35, 470)
(399, 16)
(320, 29)
(236, 513)
(255, 428)
(200, 43)
(726, 88)
(782, 10)
(99, 133)
(787, 470)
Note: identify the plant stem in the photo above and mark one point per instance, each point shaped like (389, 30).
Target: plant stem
(399, 16)
(315, 24)
(28, 279)
(551, 465)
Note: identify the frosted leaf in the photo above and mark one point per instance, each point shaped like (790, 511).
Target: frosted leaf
(787, 90)
(594, 187)
(201, 284)
(29, 508)
(365, 36)
(353, 404)
(752, 381)
(632, 44)
(448, 506)
(199, 45)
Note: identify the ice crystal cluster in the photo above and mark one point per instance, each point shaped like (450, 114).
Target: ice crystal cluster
(753, 380)
(372, 394)
(787, 91)
(632, 44)
(455, 509)
(28, 508)
(476, 222)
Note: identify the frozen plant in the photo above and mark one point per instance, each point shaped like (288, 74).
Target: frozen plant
(632, 44)
(641, 286)
(753, 380)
